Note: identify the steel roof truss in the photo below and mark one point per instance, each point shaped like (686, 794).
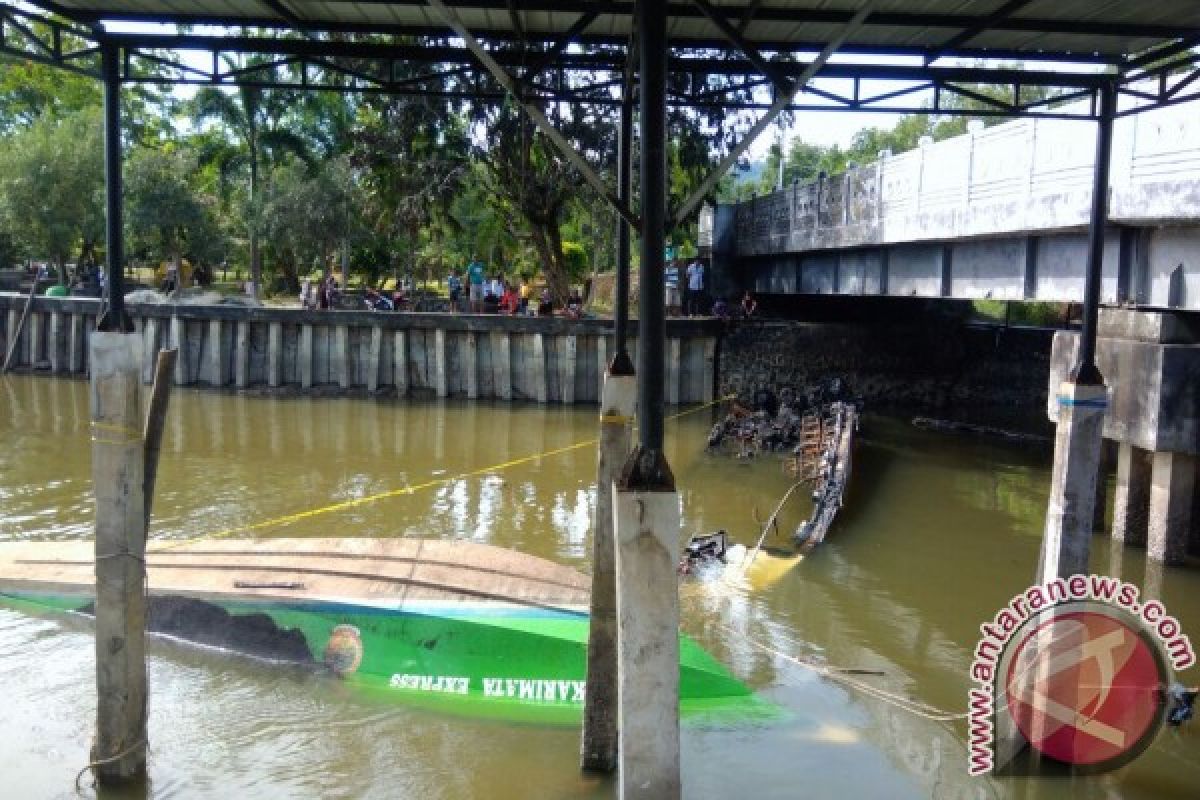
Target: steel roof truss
(782, 84)
(534, 113)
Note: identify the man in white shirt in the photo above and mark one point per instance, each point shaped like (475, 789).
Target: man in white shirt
(694, 301)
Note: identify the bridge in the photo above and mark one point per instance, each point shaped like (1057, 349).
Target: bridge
(999, 212)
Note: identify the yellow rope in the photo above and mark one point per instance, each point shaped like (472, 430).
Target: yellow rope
(408, 490)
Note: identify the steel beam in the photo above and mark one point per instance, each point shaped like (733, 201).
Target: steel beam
(986, 23)
(621, 362)
(777, 108)
(1085, 371)
(114, 319)
(734, 35)
(532, 111)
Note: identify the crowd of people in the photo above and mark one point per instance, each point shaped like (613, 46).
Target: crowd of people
(471, 290)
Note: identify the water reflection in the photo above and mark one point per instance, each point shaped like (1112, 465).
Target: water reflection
(938, 533)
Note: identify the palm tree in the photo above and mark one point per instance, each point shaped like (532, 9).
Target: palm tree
(253, 118)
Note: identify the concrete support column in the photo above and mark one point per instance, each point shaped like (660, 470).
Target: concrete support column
(304, 356)
(241, 355)
(150, 348)
(470, 365)
(400, 363)
(56, 344)
(439, 362)
(501, 365)
(538, 367)
(598, 751)
(710, 370)
(647, 531)
(179, 342)
(274, 354)
(1131, 497)
(1100, 505)
(566, 372)
(217, 364)
(37, 346)
(75, 344)
(14, 321)
(602, 361)
(339, 359)
(672, 377)
(1067, 539)
(117, 479)
(1172, 482)
(374, 358)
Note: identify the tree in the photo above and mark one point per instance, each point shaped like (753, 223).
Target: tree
(162, 209)
(255, 120)
(52, 186)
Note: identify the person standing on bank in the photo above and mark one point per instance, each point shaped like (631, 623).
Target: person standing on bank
(671, 283)
(475, 285)
(694, 305)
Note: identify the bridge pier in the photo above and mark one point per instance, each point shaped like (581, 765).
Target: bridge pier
(1152, 362)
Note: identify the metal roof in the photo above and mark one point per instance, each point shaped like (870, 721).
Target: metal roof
(1061, 30)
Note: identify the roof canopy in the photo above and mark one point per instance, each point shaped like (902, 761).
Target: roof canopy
(1112, 30)
(892, 55)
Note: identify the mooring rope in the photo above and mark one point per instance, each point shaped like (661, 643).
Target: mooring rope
(842, 675)
(288, 519)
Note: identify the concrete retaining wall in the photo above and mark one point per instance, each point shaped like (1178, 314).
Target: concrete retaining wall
(546, 360)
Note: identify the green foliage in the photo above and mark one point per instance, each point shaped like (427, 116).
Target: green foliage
(52, 185)
(575, 259)
(165, 216)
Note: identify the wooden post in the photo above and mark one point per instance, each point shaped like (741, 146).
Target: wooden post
(156, 417)
(117, 477)
(274, 354)
(241, 355)
(374, 357)
(14, 336)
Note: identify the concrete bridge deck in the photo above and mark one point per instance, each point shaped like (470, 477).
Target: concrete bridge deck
(998, 212)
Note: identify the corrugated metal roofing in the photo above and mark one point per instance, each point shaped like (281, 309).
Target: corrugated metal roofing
(1050, 28)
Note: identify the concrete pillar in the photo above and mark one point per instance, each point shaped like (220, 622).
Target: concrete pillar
(37, 345)
(710, 370)
(1100, 503)
(538, 367)
(672, 374)
(599, 746)
(56, 348)
(647, 532)
(1131, 497)
(274, 354)
(502, 365)
(120, 622)
(218, 366)
(400, 363)
(566, 374)
(14, 319)
(241, 355)
(179, 342)
(150, 334)
(439, 362)
(1077, 442)
(470, 365)
(304, 355)
(75, 345)
(339, 359)
(1172, 482)
(602, 363)
(374, 358)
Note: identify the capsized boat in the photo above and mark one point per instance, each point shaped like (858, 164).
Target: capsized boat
(461, 626)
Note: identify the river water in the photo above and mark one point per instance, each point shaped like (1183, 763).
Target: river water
(938, 534)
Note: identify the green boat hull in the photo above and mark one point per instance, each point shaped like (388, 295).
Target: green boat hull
(480, 660)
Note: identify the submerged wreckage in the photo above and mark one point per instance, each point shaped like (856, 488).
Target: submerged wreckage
(818, 429)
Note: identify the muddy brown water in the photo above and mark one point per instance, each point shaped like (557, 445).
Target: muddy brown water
(939, 533)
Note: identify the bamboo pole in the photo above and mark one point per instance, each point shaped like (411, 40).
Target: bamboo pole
(12, 346)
